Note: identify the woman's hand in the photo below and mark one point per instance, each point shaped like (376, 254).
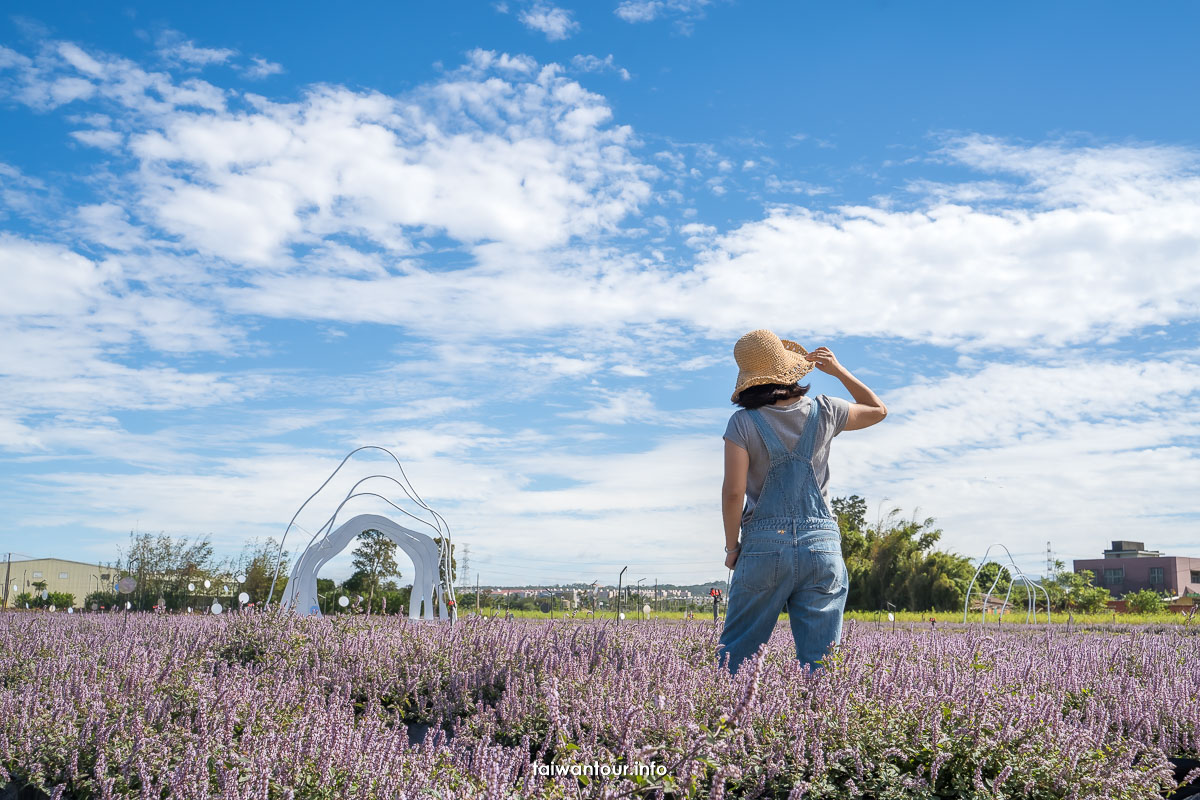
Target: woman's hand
(824, 360)
(731, 559)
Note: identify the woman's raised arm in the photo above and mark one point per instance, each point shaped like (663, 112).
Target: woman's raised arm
(867, 409)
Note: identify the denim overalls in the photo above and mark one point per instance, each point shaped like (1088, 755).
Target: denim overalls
(791, 555)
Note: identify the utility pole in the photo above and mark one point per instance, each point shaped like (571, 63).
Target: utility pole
(619, 578)
(477, 594)
(7, 572)
(1049, 562)
(656, 595)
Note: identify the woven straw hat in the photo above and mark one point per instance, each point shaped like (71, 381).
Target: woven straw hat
(762, 357)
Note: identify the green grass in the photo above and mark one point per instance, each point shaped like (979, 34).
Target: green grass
(1012, 617)
(1017, 617)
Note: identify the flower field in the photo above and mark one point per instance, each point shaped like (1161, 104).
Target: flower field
(266, 706)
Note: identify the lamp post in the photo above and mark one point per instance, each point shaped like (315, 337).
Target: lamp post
(619, 578)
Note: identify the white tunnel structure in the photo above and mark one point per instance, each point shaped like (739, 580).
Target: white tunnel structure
(300, 594)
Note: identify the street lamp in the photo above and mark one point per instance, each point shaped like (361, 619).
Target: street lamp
(619, 579)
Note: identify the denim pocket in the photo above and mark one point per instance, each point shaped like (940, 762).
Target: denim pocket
(829, 569)
(756, 572)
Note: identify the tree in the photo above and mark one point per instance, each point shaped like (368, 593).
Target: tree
(164, 565)
(1068, 591)
(258, 562)
(1146, 601)
(376, 557)
(894, 562)
(446, 580)
(101, 600)
(56, 599)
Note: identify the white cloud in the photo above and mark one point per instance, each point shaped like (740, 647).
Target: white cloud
(64, 317)
(650, 10)
(625, 406)
(551, 20)
(1007, 276)
(531, 162)
(262, 68)
(1076, 453)
(177, 50)
(1062, 261)
(590, 63)
(104, 140)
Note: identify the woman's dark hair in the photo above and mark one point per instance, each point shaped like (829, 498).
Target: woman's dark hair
(767, 393)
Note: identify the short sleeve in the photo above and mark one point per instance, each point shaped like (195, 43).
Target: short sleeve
(734, 433)
(838, 411)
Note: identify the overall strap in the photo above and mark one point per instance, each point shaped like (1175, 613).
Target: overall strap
(808, 439)
(775, 448)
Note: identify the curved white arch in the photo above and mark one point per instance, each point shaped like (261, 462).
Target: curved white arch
(440, 525)
(300, 593)
(1015, 574)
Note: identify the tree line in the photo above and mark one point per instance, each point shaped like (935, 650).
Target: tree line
(893, 564)
(164, 567)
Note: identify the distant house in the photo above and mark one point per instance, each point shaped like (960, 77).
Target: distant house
(1130, 567)
(77, 578)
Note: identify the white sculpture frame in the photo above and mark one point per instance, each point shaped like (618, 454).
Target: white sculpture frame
(300, 593)
(1015, 574)
(430, 576)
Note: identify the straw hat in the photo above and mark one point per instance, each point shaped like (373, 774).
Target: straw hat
(762, 357)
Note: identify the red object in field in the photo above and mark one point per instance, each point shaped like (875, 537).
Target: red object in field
(714, 592)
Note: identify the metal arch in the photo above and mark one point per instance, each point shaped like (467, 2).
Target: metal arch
(442, 526)
(329, 524)
(301, 591)
(1015, 574)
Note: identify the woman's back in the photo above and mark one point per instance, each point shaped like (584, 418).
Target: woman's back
(788, 422)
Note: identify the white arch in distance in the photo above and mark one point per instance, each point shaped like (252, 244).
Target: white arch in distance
(300, 593)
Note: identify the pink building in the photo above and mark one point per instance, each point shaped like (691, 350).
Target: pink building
(1129, 567)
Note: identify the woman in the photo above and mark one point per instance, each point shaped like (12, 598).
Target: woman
(777, 464)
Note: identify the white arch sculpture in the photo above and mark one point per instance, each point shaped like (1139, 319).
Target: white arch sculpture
(300, 593)
(430, 576)
(1015, 574)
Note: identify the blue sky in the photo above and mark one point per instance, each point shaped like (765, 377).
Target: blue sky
(515, 242)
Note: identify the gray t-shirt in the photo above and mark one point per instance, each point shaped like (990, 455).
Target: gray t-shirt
(788, 422)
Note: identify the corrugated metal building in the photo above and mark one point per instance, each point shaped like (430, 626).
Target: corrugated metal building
(78, 578)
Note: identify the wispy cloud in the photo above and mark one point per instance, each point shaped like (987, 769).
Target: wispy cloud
(683, 12)
(557, 23)
(260, 68)
(176, 49)
(590, 63)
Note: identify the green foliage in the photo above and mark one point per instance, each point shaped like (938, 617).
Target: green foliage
(163, 565)
(894, 562)
(105, 600)
(375, 557)
(1068, 591)
(453, 562)
(60, 600)
(258, 564)
(1146, 601)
